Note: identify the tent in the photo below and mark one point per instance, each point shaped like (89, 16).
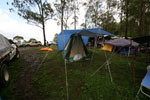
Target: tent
(122, 44)
(107, 47)
(75, 48)
(64, 36)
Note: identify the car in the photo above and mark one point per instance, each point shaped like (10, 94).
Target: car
(14, 50)
(8, 51)
(35, 44)
(50, 43)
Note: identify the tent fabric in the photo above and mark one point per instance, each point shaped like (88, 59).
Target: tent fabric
(121, 42)
(5, 46)
(107, 47)
(46, 49)
(75, 46)
(62, 40)
(125, 50)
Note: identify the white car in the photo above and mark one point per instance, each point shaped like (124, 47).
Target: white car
(14, 50)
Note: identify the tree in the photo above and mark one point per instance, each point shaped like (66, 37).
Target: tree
(32, 40)
(55, 38)
(93, 12)
(63, 13)
(35, 12)
(75, 4)
(18, 38)
(126, 29)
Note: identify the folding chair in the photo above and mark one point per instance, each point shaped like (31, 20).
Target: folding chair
(145, 83)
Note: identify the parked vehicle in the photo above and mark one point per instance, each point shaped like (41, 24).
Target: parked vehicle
(14, 50)
(50, 43)
(35, 44)
(8, 51)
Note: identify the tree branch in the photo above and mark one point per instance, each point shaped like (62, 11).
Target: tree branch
(33, 23)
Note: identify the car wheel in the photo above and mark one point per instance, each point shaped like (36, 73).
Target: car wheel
(4, 75)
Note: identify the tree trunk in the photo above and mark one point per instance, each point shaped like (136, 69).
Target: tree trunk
(62, 21)
(43, 24)
(141, 16)
(126, 29)
(62, 16)
(75, 18)
(143, 20)
(121, 18)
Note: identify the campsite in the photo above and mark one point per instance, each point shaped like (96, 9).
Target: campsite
(74, 50)
(49, 81)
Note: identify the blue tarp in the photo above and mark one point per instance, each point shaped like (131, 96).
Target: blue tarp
(125, 51)
(68, 33)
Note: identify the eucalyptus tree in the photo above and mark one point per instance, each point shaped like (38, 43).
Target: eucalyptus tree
(93, 12)
(18, 37)
(63, 13)
(35, 12)
(74, 7)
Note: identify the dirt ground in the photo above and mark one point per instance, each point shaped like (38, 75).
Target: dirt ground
(23, 86)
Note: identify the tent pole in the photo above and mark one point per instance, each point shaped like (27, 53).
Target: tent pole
(66, 75)
(107, 63)
(94, 49)
(133, 71)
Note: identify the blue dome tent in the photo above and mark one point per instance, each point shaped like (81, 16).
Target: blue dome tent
(85, 33)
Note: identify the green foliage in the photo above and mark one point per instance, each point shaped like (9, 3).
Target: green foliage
(55, 38)
(32, 39)
(18, 37)
(35, 12)
(26, 9)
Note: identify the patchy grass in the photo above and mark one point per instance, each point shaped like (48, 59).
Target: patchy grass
(50, 79)
(15, 69)
(50, 84)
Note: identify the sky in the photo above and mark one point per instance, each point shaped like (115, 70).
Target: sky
(12, 25)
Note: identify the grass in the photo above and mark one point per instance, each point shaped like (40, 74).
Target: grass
(50, 83)
(84, 87)
(15, 69)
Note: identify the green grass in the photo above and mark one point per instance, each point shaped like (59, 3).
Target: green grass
(15, 69)
(50, 79)
(50, 83)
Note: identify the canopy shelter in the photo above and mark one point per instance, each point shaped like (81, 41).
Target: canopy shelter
(64, 36)
(121, 44)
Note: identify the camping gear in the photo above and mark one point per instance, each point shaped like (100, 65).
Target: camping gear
(46, 49)
(64, 36)
(145, 83)
(107, 47)
(75, 48)
(124, 45)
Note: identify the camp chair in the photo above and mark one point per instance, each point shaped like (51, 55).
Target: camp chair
(145, 83)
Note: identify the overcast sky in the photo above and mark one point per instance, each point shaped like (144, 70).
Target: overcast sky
(12, 25)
